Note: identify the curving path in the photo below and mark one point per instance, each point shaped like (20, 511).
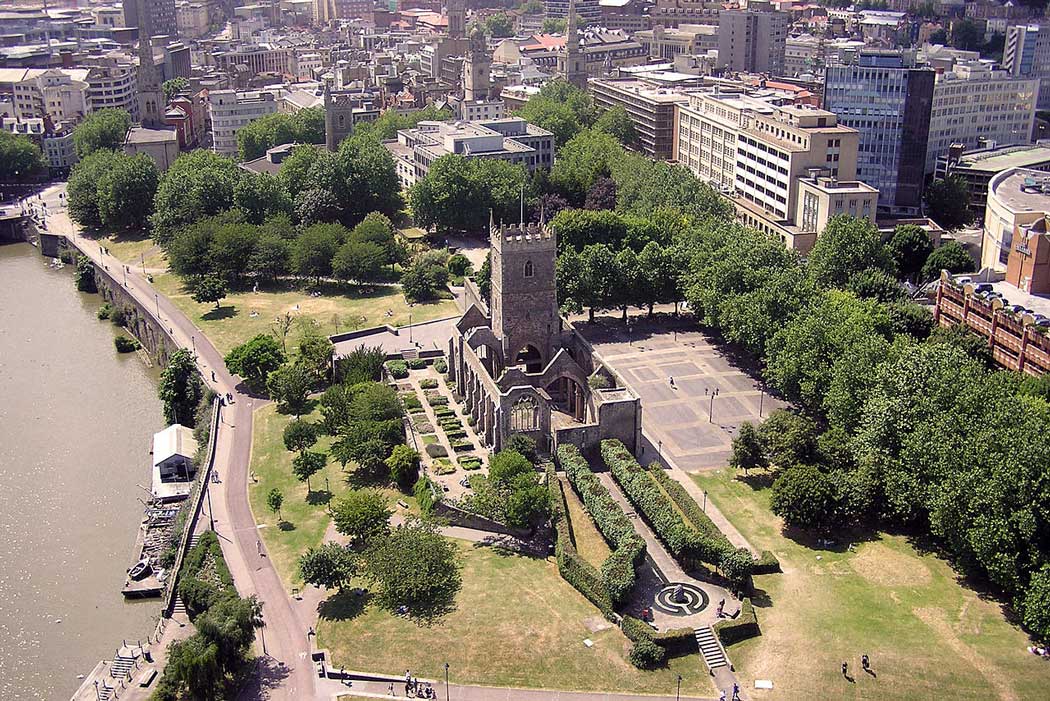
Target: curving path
(285, 669)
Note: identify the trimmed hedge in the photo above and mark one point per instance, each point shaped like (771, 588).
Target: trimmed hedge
(677, 641)
(428, 383)
(744, 626)
(436, 450)
(416, 363)
(441, 366)
(691, 509)
(619, 569)
(767, 563)
(579, 573)
(397, 369)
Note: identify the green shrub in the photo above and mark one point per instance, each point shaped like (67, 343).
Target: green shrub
(397, 369)
(428, 383)
(470, 462)
(124, 344)
(119, 316)
(461, 446)
(84, 275)
(416, 363)
(619, 569)
(714, 543)
(645, 654)
(104, 311)
(411, 402)
(744, 626)
(471, 421)
(683, 541)
(456, 434)
(521, 443)
(427, 494)
(436, 400)
(444, 466)
(441, 366)
(436, 450)
(583, 577)
(767, 563)
(635, 629)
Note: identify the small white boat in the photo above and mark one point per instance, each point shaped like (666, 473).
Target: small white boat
(140, 569)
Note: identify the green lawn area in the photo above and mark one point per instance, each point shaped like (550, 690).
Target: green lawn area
(589, 542)
(928, 635)
(517, 623)
(341, 308)
(304, 517)
(130, 249)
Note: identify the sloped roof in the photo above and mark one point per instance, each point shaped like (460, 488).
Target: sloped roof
(174, 440)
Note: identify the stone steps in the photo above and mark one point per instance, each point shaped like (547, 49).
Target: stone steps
(710, 649)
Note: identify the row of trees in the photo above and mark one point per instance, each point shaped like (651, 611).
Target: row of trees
(20, 158)
(108, 189)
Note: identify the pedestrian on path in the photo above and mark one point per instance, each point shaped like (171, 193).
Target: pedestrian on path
(213, 376)
(722, 696)
(258, 546)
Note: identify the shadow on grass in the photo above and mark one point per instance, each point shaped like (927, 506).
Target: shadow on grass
(308, 408)
(225, 312)
(344, 605)
(758, 479)
(318, 497)
(839, 542)
(760, 598)
(286, 526)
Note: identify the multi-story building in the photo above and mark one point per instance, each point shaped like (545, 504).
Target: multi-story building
(192, 18)
(889, 102)
(230, 110)
(1016, 197)
(687, 39)
(628, 15)
(511, 139)
(974, 105)
(161, 16)
(60, 95)
(113, 84)
(258, 58)
(651, 109)
(977, 168)
(752, 40)
(1027, 53)
(588, 12)
(803, 54)
(787, 168)
(671, 13)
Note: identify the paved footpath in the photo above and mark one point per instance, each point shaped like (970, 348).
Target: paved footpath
(286, 672)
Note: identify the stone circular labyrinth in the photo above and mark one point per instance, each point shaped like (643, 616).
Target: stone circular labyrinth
(694, 600)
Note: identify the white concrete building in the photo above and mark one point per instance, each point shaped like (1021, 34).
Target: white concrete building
(230, 110)
(56, 93)
(510, 139)
(976, 106)
(113, 85)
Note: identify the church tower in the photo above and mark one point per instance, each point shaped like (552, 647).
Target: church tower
(476, 68)
(571, 63)
(457, 12)
(524, 306)
(151, 97)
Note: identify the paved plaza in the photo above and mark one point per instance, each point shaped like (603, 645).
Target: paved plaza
(681, 421)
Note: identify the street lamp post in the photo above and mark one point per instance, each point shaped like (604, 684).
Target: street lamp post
(711, 408)
(211, 514)
(410, 328)
(761, 400)
(660, 450)
(156, 298)
(193, 340)
(446, 682)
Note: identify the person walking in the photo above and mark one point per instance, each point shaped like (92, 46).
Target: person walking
(845, 669)
(865, 663)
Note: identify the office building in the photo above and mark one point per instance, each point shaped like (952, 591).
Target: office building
(974, 105)
(787, 168)
(60, 95)
(752, 40)
(672, 13)
(686, 39)
(511, 139)
(1016, 197)
(1027, 53)
(113, 85)
(889, 102)
(651, 109)
(230, 110)
(588, 12)
(160, 17)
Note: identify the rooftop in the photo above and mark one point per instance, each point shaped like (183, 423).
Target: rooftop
(998, 159)
(142, 135)
(642, 88)
(174, 440)
(1022, 190)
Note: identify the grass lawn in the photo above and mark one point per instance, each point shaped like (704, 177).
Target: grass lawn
(341, 308)
(928, 636)
(589, 542)
(516, 623)
(130, 248)
(304, 517)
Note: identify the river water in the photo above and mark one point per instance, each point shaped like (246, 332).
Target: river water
(76, 421)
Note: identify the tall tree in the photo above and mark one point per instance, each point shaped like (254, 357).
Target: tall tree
(180, 388)
(847, 245)
(910, 246)
(948, 202)
(20, 159)
(198, 184)
(102, 129)
(255, 359)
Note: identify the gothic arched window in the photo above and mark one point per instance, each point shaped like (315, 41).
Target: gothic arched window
(525, 416)
(529, 271)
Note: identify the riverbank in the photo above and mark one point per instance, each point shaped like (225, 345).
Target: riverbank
(69, 505)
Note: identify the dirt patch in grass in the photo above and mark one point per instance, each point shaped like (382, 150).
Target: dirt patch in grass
(889, 568)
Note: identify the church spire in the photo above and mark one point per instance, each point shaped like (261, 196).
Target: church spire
(151, 99)
(573, 64)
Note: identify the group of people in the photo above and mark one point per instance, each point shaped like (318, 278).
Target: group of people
(414, 689)
(1041, 651)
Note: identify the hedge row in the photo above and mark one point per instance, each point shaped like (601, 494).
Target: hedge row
(700, 520)
(427, 494)
(619, 569)
(574, 569)
(682, 541)
(767, 563)
(677, 641)
(744, 626)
